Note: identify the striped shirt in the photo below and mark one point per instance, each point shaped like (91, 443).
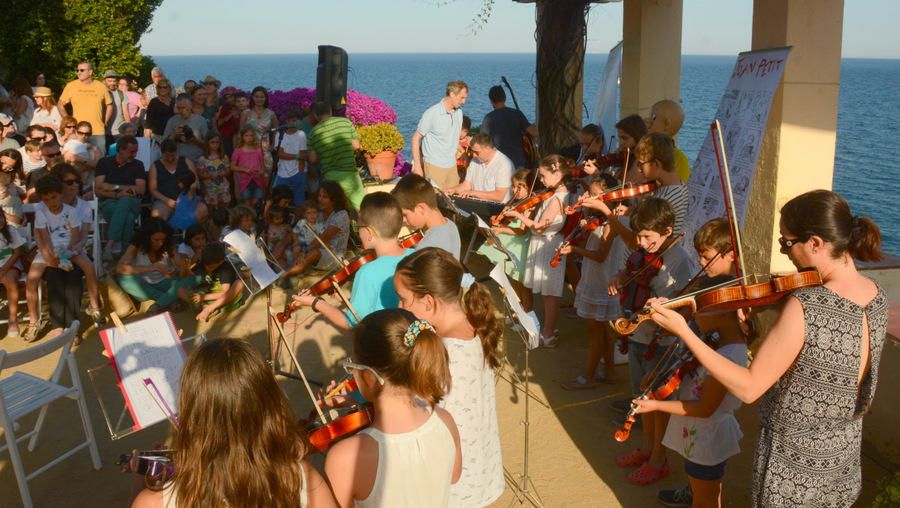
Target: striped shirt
(677, 196)
(332, 139)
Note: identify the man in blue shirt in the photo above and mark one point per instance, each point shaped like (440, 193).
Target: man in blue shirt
(437, 137)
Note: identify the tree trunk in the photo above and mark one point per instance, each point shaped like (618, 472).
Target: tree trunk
(560, 34)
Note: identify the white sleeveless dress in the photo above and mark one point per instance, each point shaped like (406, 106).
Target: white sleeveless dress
(472, 402)
(170, 499)
(540, 277)
(414, 468)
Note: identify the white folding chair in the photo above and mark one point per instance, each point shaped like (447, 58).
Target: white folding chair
(94, 237)
(22, 394)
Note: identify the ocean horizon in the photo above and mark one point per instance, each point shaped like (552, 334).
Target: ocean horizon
(411, 82)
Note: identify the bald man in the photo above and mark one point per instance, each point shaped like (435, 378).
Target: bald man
(666, 116)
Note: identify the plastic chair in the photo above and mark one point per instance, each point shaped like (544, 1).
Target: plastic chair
(22, 394)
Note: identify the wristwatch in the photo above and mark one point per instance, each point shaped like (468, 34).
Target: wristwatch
(116, 187)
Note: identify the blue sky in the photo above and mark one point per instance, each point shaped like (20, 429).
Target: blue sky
(200, 27)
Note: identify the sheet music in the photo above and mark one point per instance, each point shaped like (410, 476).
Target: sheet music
(528, 320)
(495, 241)
(252, 256)
(150, 349)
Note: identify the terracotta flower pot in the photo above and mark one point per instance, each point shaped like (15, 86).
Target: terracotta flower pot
(382, 165)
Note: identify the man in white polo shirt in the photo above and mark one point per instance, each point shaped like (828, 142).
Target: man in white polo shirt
(437, 137)
(489, 176)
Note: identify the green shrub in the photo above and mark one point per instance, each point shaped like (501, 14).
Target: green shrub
(380, 137)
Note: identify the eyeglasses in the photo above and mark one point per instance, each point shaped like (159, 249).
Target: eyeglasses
(84, 133)
(787, 243)
(69, 127)
(349, 367)
(70, 182)
(82, 70)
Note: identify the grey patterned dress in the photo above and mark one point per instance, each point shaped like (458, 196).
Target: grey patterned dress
(808, 448)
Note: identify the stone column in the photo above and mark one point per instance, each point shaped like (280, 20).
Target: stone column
(797, 153)
(651, 54)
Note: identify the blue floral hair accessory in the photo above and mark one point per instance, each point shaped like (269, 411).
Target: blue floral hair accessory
(415, 328)
(467, 280)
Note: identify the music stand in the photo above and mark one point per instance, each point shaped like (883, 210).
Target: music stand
(117, 428)
(522, 485)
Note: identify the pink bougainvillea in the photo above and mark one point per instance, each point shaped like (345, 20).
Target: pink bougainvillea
(361, 108)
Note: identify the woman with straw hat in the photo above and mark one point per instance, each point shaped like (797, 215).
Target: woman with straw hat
(45, 113)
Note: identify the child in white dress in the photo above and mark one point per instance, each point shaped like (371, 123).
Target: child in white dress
(540, 277)
(432, 284)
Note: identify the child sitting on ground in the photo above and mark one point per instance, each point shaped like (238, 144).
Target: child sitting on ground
(189, 208)
(242, 218)
(420, 211)
(57, 228)
(278, 235)
(192, 246)
(305, 238)
(10, 268)
(282, 196)
(218, 284)
(380, 220)
(216, 228)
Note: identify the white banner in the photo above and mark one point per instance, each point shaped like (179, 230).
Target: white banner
(743, 113)
(607, 113)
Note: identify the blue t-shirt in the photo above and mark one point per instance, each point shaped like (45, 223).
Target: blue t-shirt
(373, 287)
(440, 131)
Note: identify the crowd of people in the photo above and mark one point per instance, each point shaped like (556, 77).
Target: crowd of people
(426, 335)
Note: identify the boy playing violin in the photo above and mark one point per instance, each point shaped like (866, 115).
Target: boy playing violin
(703, 428)
(659, 268)
(420, 211)
(380, 220)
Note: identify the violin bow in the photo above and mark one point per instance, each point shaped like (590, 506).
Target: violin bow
(324, 244)
(290, 351)
(725, 177)
(641, 270)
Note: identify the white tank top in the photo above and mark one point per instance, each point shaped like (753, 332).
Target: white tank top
(170, 499)
(414, 468)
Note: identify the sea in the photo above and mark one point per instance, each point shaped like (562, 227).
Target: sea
(867, 161)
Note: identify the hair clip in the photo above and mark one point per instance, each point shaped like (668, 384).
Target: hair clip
(415, 328)
(467, 280)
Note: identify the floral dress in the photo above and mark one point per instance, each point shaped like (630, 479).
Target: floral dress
(217, 189)
(808, 448)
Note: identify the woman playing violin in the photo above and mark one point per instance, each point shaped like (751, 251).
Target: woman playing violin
(702, 427)
(237, 442)
(808, 447)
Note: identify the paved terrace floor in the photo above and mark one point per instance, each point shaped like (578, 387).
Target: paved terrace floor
(571, 449)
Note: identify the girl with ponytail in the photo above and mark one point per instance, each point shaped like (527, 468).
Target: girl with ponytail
(432, 284)
(410, 454)
(818, 366)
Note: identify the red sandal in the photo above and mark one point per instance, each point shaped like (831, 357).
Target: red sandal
(634, 458)
(647, 474)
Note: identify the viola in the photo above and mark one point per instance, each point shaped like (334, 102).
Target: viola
(327, 284)
(342, 422)
(729, 297)
(617, 194)
(411, 240)
(523, 205)
(578, 235)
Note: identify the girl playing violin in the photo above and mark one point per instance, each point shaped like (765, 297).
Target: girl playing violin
(432, 285)
(410, 454)
(514, 238)
(237, 442)
(702, 427)
(808, 447)
(540, 277)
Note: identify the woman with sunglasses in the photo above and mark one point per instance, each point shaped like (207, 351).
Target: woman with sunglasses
(410, 454)
(237, 442)
(66, 129)
(159, 110)
(818, 367)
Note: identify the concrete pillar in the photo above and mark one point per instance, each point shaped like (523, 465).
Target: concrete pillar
(651, 54)
(797, 153)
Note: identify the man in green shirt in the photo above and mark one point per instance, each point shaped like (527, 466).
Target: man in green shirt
(331, 143)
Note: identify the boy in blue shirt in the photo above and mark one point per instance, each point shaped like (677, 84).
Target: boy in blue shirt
(380, 220)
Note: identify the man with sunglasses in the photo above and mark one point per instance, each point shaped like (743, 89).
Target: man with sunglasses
(120, 181)
(90, 102)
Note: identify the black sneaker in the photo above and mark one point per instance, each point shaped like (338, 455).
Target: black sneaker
(678, 498)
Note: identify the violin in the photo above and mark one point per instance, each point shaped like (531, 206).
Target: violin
(462, 162)
(578, 235)
(732, 295)
(327, 284)
(602, 162)
(342, 422)
(618, 194)
(523, 205)
(156, 465)
(411, 240)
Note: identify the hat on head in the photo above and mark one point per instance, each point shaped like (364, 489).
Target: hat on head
(211, 80)
(5, 119)
(110, 74)
(229, 90)
(42, 91)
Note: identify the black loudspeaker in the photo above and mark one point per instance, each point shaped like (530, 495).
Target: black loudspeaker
(331, 77)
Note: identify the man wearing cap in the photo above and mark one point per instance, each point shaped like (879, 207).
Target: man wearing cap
(89, 99)
(7, 129)
(120, 112)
